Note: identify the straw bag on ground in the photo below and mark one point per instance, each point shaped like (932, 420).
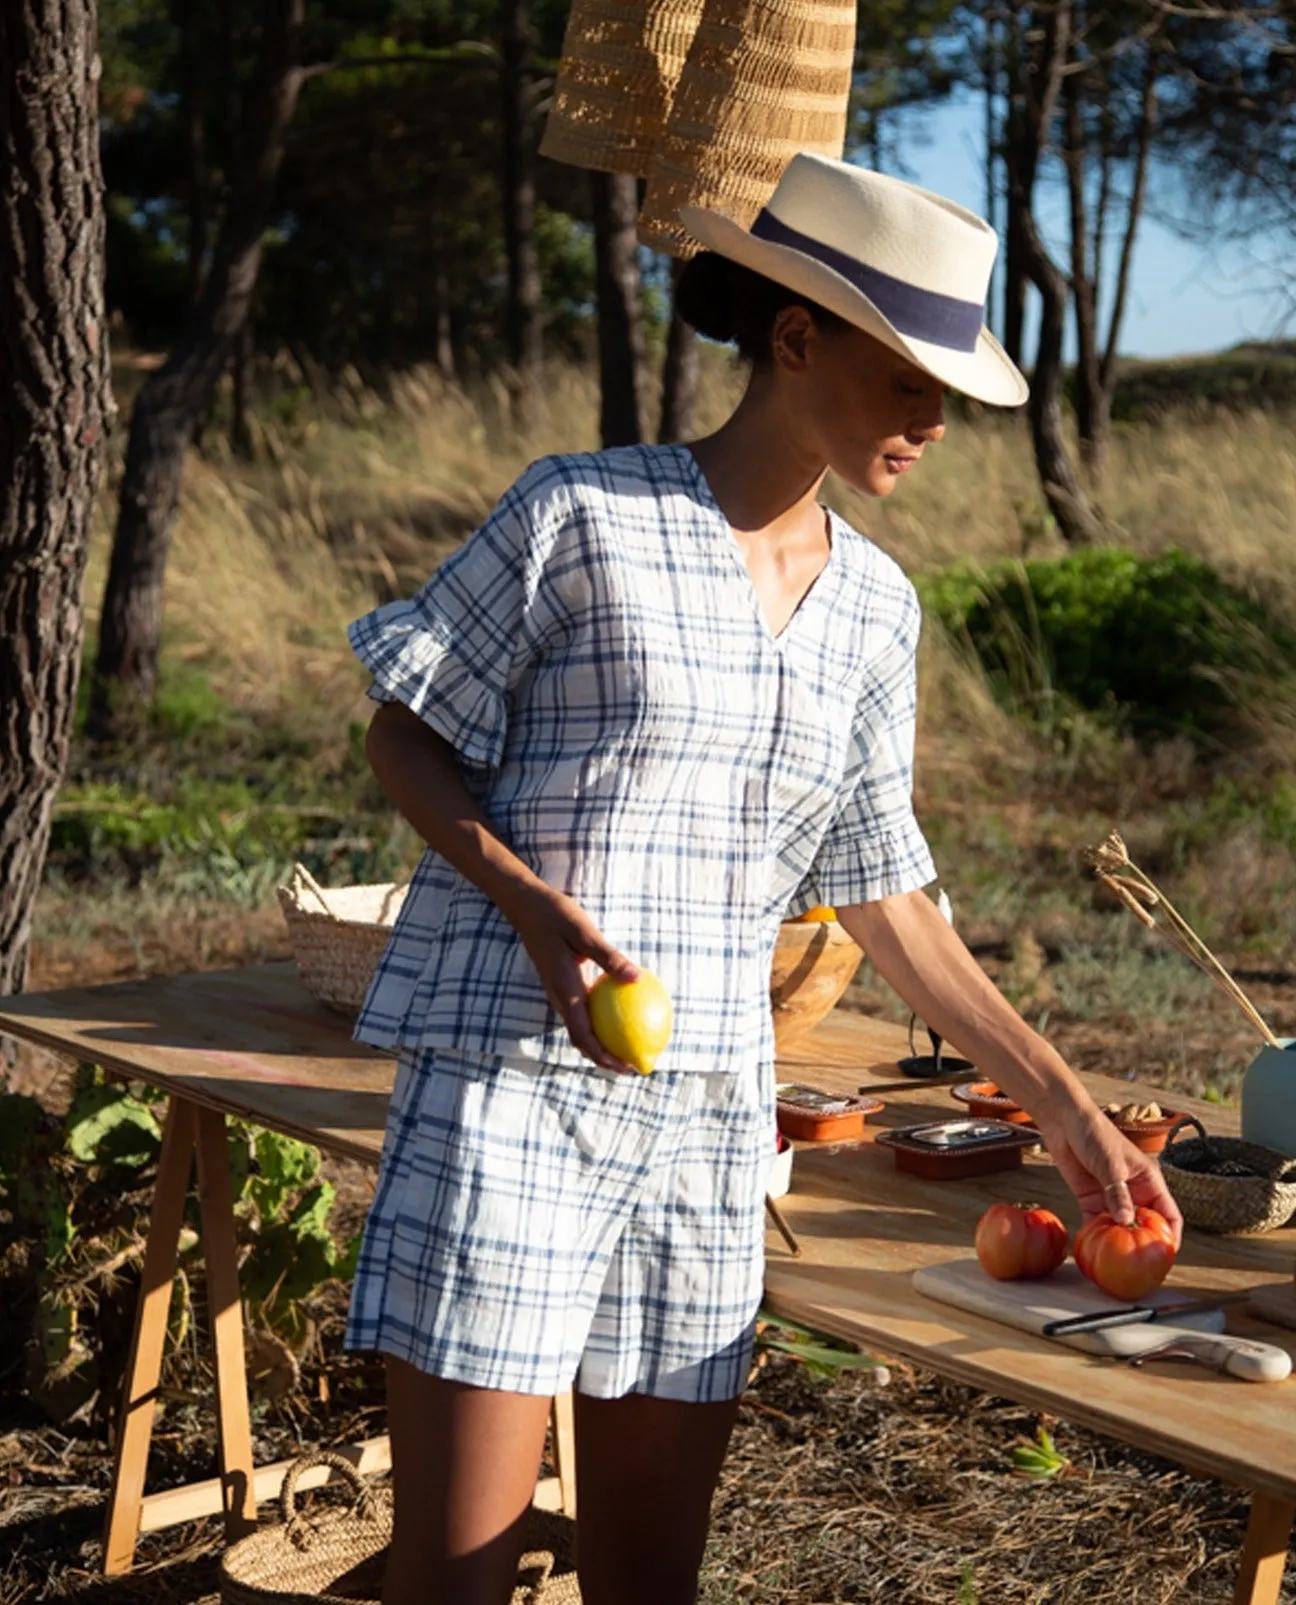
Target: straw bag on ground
(338, 935)
(338, 1556)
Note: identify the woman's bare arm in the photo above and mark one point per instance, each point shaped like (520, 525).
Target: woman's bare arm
(919, 954)
(419, 773)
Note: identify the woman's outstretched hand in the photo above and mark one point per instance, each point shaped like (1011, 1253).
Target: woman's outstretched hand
(1103, 1169)
(569, 951)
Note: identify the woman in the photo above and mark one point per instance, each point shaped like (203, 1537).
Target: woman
(661, 700)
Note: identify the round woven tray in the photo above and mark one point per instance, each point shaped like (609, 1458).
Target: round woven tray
(338, 1556)
(1197, 1172)
(338, 935)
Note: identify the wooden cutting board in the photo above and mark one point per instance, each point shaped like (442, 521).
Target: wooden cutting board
(1029, 1305)
(1275, 1302)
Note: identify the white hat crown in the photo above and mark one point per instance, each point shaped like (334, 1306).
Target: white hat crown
(912, 235)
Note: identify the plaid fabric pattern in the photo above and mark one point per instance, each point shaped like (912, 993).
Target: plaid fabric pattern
(533, 1225)
(597, 655)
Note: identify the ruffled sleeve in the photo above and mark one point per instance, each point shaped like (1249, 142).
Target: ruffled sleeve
(874, 847)
(451, 652)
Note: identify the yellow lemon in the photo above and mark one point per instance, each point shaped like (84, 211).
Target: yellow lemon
(819, 915)
(632, 1019)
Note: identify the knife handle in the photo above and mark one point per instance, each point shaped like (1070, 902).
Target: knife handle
(1098, 1323)
(1240, 1357)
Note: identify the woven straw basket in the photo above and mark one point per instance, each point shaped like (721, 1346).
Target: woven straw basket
(339, 1556)
(1228, 1202)
(338, 935)
(706, 99)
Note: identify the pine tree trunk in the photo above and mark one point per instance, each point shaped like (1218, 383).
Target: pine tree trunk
(55, 406)
(174, 399)
(620, 324)
(679, 374)
(522, 317)
(241, 365)
(1077, 520)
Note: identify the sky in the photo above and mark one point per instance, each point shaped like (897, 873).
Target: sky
(1184, 298)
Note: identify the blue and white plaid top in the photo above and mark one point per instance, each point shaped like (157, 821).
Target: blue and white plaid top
(597, 655)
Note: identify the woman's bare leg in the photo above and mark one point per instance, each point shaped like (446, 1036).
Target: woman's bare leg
(464, 1467)
(645, 1472)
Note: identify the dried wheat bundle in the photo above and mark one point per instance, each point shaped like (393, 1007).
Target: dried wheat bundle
(1111, 863)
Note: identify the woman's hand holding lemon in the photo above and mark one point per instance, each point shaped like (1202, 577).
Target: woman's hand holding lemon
(632, 1018)
(568, 951)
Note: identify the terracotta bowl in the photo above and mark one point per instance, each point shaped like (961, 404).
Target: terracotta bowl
(1148, 1136)
(983, 1098)
(813, 966)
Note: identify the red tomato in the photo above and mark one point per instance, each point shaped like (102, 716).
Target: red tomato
(1126, 1261)
(1015, 1240)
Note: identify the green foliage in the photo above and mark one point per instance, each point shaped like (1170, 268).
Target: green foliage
(75, 1197)
(1038, 1457)
(215, 840)
(1155, 645)
(106, 1126)
(822, 1356)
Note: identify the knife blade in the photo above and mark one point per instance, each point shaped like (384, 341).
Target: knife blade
(1129, 1315)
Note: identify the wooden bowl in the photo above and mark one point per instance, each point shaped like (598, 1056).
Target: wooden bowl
(813, 966)
(985, 1100)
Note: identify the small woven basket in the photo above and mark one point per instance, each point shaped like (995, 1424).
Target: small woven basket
(339, 1556)
(338, 935)
(1224, 1184)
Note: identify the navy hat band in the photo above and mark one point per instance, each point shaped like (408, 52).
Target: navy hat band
(940, 320)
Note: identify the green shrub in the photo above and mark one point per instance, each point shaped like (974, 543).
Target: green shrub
(1160, 645)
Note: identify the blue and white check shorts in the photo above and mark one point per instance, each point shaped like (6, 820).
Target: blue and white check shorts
(535, 1227)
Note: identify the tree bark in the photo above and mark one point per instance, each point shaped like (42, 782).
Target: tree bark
(620, 324)
(1095, 442)
(523, 329)
(186, 17)
(1077, 520)
(441, 300)
(173, 399)
(679, 374)
(241, 363)
(1019, 172)
(55, 407)
(1084, 289)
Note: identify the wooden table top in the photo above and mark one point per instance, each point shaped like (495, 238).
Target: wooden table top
(865, 1227)
(253, 1043)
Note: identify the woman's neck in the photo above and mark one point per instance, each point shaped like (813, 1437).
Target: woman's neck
(764, 478)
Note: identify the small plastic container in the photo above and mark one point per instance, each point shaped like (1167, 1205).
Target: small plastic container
(812, 1115)
(778, 1183)
(948, 1150)
(984, 1100)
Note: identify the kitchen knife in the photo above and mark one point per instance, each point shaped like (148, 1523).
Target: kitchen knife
(1130, 1314)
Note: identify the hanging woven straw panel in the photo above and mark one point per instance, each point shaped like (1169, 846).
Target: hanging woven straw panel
(761, 83)
(708, 100)
(621, 62)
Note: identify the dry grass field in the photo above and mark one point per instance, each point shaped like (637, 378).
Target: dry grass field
(166, 855)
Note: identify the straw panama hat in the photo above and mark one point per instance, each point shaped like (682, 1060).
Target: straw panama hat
(907, 266)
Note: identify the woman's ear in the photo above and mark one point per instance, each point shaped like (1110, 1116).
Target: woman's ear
(791, 338)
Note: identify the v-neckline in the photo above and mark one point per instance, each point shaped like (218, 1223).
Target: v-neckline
(731, 542)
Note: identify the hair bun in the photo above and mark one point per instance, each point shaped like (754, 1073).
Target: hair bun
(704, 296)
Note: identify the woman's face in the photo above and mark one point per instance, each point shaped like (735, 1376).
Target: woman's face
(869, 412)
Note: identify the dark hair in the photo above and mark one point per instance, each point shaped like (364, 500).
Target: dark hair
(728, 302)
